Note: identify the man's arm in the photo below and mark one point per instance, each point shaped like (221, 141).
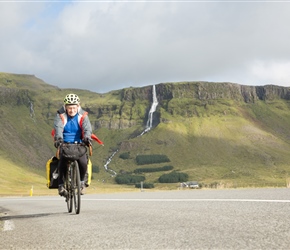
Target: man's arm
(87, 127)
(58, 127)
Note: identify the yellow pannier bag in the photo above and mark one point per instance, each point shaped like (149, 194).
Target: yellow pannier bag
(52, 173)
(89, 172)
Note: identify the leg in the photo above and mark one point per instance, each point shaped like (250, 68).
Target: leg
(61, 173)
(61, 170)
(83, 165)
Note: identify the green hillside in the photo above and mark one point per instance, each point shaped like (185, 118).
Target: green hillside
(220, 134)
(233, 150)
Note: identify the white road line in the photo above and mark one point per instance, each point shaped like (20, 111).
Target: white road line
(190, 200)
(8, 225)
(159, 200)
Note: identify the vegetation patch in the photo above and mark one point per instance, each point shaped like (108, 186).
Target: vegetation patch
(144, 185)
(95, 169)
(173, 177)
(149, 170)
(151, 159)
(125, 156)
(129, 179)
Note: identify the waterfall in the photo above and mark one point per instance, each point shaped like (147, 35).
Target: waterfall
(31, 110)
(148, 127)
(151, 111)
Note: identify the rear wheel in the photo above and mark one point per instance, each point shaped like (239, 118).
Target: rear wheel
(76, 188)
(69, 197)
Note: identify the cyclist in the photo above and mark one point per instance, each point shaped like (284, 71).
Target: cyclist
(71, 125)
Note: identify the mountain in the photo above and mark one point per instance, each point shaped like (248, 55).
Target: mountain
(218, 133)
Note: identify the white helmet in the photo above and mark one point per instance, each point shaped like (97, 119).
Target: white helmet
(71, 99)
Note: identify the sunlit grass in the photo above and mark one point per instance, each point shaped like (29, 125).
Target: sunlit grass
(20, 181)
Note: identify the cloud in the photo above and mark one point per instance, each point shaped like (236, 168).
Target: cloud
(104, 46)
(271, 72)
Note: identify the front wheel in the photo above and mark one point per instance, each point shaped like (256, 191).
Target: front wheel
(69, 197)
(76, 187)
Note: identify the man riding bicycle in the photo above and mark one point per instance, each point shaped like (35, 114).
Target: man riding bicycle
(71, 125)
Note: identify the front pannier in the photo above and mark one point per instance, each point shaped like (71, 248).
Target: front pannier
(51, 170)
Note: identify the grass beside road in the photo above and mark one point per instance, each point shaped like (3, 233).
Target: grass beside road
(20, 181)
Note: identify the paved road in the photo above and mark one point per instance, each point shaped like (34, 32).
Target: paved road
(191, 219)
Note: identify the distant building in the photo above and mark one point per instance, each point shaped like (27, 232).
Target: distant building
(190, 184)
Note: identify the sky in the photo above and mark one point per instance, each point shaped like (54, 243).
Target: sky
(109, 45)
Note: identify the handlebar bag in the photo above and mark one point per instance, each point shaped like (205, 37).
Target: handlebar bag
(73, 152)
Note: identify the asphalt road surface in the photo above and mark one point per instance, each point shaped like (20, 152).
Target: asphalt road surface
(189, 219)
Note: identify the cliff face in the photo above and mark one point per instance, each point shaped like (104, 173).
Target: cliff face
(179, 99)
(14, 96)
(213, 91)
(132, 105)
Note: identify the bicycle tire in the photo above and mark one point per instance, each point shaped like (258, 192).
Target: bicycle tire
(76, 187)
(68, 187)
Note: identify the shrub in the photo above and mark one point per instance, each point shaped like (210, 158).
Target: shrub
(166, 168)
(145, 185)
(95, 169)
(150, 159)
(129, 179)
(173, 177)
(125, 155)
(148, 170)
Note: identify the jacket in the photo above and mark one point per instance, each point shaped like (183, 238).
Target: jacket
(60, 121)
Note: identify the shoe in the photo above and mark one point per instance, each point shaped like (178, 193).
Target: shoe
(62, 191)
(83, 188)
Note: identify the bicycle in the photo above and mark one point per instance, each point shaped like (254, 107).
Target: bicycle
(72, 183)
